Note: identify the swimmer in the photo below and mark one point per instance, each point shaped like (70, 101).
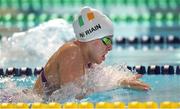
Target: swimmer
(94, 33)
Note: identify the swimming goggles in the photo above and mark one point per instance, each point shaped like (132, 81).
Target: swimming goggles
(106, 41)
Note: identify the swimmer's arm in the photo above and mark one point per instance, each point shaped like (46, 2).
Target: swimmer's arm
(71, 65)
(71, 68)
(134, 83)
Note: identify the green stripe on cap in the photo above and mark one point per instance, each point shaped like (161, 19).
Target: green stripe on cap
(81, 23)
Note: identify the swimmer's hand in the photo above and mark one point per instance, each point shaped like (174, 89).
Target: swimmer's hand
(135, 83)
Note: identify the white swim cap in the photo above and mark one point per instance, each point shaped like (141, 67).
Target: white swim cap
(91, 24)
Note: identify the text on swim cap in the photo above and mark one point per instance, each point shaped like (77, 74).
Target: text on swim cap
(90, 30)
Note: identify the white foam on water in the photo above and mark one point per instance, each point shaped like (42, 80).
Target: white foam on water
(32, 48)
(98, 79)
(11, 93)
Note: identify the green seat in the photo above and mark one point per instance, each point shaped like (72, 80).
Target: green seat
(25, 4)
(123, 18)
(159, 16)
(170, 19)
(37, 4)
(54, 16)
(7, 20)
(47, 4)
(159, 19)
(115, 18)
(21, 21)
(31, 20)
(135, 17)
(145, 17)
(170, 16)
(152, 4)
(129, 19)
(152, 18)
(43, 17)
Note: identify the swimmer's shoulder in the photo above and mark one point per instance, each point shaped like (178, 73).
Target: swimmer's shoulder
(69, 47)
(64, 51)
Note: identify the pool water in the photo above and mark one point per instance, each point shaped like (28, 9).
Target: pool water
(146, 57)
(163, 88)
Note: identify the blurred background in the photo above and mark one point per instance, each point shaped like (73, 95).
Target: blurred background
(139, 25)
(130, 17)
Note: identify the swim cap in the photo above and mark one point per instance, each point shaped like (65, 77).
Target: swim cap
(91, 24)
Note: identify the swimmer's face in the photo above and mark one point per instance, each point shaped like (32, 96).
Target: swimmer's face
(101, 48)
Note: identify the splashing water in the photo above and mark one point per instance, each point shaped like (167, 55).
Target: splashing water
(12, 93)
(97, 79)
(32, 48)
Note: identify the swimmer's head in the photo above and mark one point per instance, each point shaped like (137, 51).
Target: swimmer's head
(91, 24)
